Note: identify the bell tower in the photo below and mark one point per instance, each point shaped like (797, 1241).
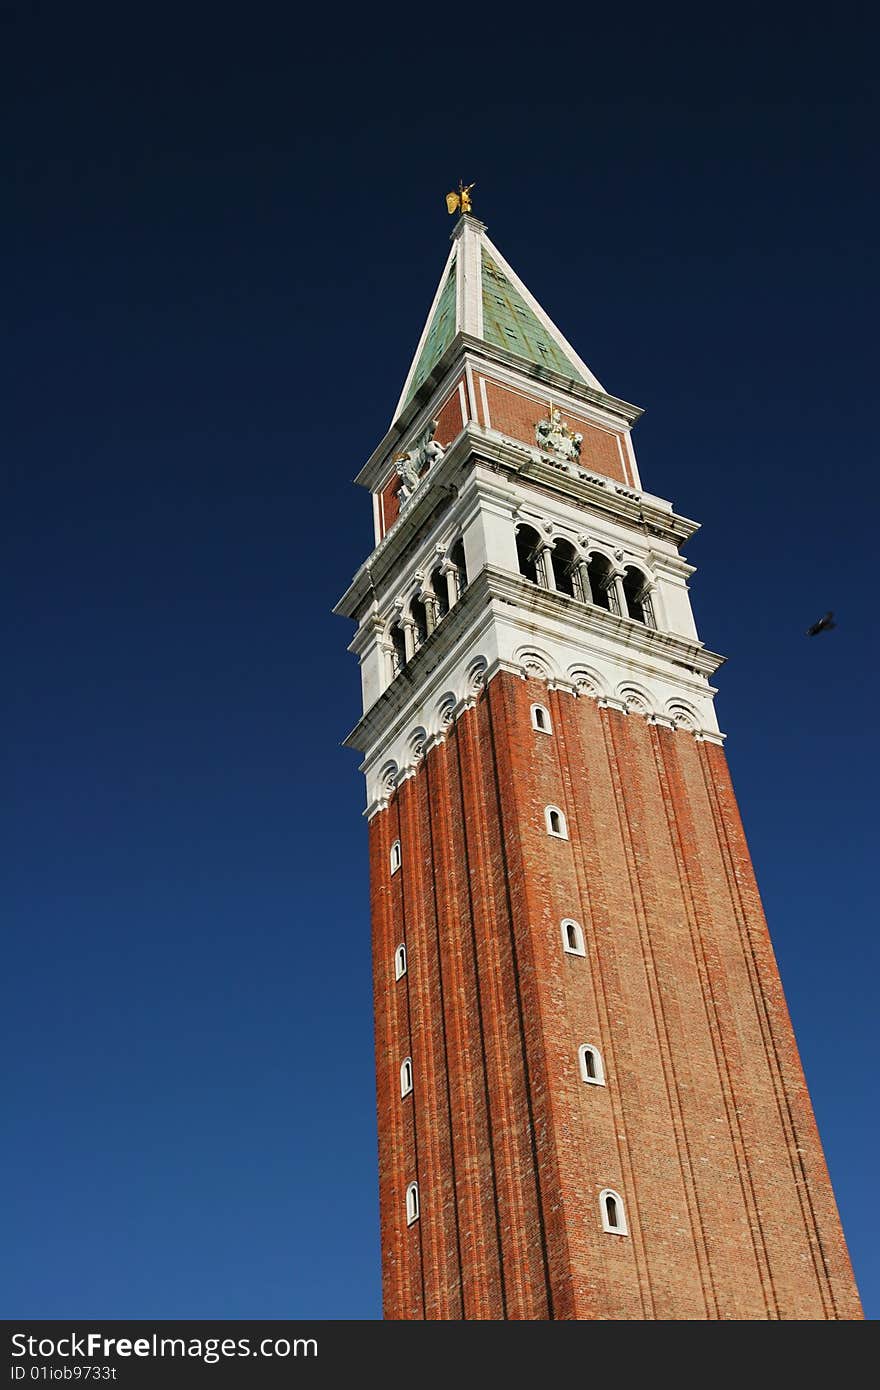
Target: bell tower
(590, 1101)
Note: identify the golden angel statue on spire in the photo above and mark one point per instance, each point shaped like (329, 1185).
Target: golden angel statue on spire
(460, 201)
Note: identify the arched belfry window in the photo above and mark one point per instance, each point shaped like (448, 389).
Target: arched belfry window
(612, 1213)
(541, 719)
(555, 821)
(456, 557)
(440, 590)
(564, 560)
(592, 1069)
(420, 621)
(412, 1203)
(400, 962)
(573, 937)
(600, 573)
(398, 648)
(636, 590)
(406, 1077)
(527, 549)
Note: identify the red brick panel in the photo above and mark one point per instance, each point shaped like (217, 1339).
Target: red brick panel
(481, 1276)
(683, 1070)
(535, 863)
(516, 415)
(513, 1142)
(449, 425)
(401, 1256)
(430, 1096)
(636, 1140)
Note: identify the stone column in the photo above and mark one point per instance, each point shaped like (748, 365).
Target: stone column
(452, 588)
(544, 565)
(583, 574)
(432, 608)
(616, 596)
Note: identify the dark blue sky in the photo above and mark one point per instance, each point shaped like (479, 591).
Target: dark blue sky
(222, 232)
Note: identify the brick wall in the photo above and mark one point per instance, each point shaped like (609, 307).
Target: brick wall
(704, 1126)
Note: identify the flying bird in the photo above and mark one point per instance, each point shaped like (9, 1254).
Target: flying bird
(823, 625)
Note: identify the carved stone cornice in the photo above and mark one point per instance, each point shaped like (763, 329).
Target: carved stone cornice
(592, 491)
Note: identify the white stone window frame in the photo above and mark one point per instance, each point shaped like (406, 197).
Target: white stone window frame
(549, 812)
(541, 710)
(589, 1050)
(621, 1229)
(413, 1210)
(395, 857)
(406, 1077)
(579, 948)
(400, 962)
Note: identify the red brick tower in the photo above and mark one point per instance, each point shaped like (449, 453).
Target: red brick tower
(590, 1098)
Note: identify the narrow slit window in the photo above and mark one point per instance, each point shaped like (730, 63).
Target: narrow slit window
(400, 962)
(556, 823)
(412, 1203)
(541, 720)
(406, 1077)
(611, 1209)
(573, 938)
(395, 856)
(592, 1069)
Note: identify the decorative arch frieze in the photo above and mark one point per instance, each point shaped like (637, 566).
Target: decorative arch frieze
(683, 715)
(417, 740)
(535, 663)
(587, 682)
(636, 699)
(386, 783)
(476, 676)
(445, 713)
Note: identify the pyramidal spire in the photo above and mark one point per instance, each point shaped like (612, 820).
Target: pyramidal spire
(480, 295)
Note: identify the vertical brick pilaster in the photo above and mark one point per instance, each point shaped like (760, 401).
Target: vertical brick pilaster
(401, 1257)
(472, 1140)
(430, 1096)
(517, 1179)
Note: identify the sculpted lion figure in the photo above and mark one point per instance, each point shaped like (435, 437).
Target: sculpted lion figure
(412, 465)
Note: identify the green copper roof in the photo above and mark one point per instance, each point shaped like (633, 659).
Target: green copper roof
(508, 322)
(440, 335)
